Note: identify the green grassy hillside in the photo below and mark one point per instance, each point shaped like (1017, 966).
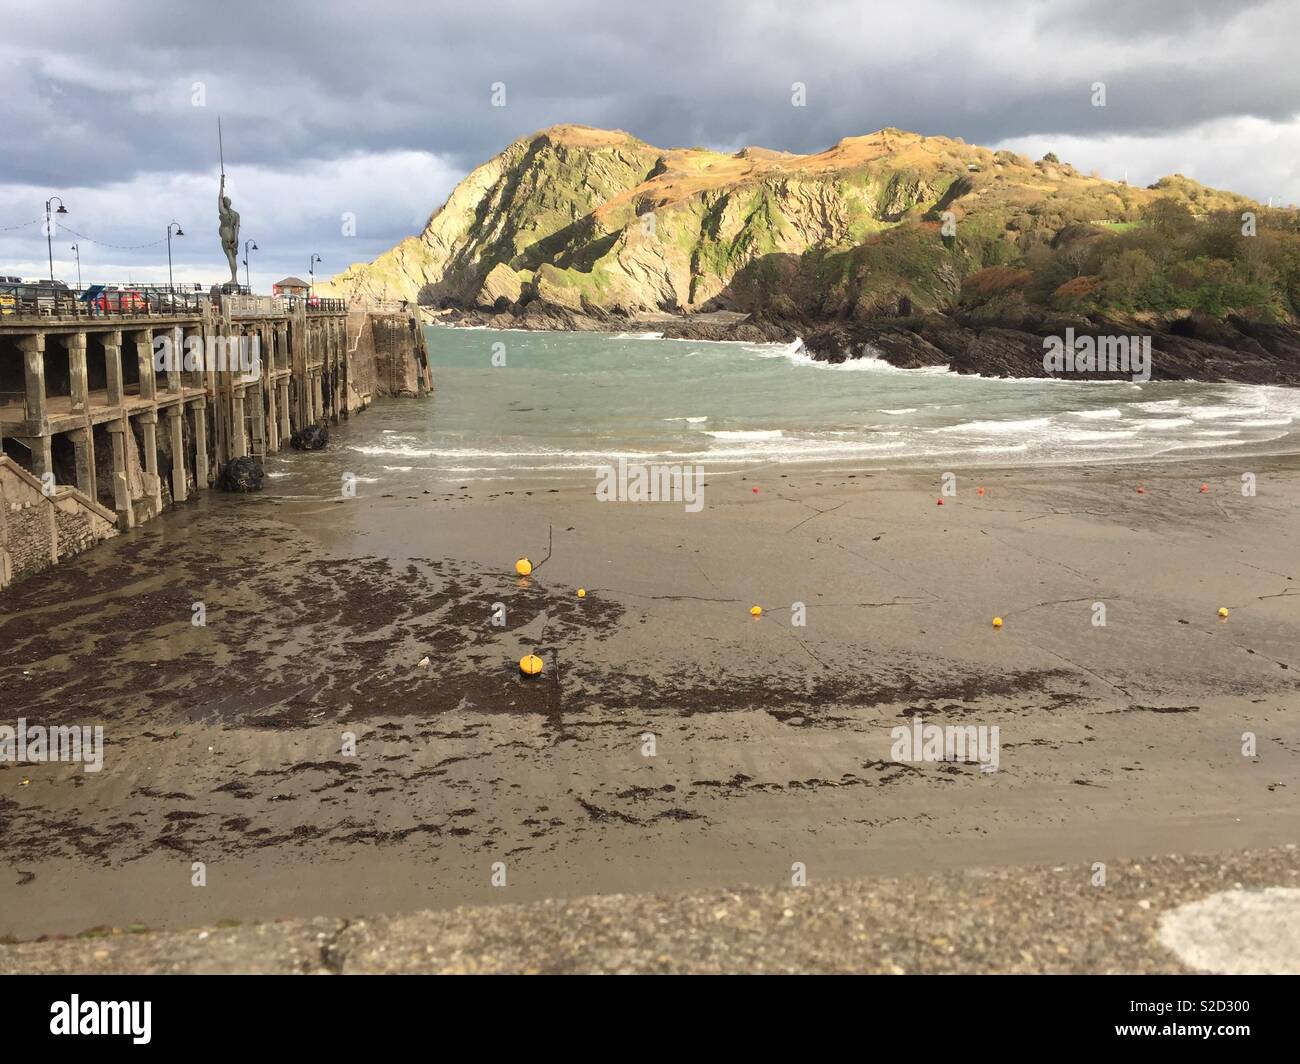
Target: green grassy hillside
(886, 224)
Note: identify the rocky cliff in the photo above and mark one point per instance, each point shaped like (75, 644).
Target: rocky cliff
(577, 228)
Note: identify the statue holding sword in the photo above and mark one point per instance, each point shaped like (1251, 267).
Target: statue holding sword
(229, 219)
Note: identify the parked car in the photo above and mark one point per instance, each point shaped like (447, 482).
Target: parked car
(51, 294)
(180, 296)
(8, 296)
(120, 301)
(34, 296)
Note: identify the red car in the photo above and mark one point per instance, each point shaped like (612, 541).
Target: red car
(121, 301)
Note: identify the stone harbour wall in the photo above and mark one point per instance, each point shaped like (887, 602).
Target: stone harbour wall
(117, 434)
(39, 530)
(387, 353)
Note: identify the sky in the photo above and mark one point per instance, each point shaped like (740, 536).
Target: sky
(346, 125)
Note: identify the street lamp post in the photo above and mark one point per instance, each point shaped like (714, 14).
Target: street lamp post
(249, 245)
(311, 273)
(76, 248)
(171, 286)
(49, 231)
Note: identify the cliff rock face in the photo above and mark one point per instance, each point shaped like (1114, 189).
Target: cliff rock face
(575, 226)
(541, 188)
(591, 220)
(1185, 348)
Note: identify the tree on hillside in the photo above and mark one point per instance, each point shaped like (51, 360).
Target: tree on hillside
(1125, 276)
(1169, 218)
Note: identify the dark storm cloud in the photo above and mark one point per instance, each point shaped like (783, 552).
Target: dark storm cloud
(104, 99)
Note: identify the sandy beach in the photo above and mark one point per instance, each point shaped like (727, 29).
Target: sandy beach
(772, 741)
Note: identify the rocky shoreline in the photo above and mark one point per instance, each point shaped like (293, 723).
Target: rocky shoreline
(1183, 346)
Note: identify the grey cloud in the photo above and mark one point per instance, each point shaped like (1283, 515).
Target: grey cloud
(98, 101)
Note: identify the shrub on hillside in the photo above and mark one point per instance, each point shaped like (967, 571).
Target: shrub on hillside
(993, 281)
(1073, 293)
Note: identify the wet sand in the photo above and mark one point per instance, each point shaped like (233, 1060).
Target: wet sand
(773, 741)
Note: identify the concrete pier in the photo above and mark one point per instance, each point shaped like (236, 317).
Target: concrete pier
(81, 393)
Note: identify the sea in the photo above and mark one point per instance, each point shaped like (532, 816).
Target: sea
(554, 406)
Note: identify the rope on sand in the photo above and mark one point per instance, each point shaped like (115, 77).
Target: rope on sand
(550, 546)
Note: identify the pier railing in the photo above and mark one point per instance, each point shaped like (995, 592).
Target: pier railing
(98, 301)
(317, 305)
(122, 301)
(248, 306)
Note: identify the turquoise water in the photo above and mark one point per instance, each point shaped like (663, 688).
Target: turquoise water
(565, 402)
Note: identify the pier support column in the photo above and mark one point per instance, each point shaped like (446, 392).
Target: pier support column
(117, 431)
(42, 454)
(193, 341)
(318, 402)
(176, 339)
(335, 359)
(153, 483)
(83, 445)
(257, 420)
(175, 421)
(79, 386)
(285, 430)
(344, 372)
(238, 438)
(200, 445)
(273, 441)
(33, 348)
(113, 367)
(144, 357)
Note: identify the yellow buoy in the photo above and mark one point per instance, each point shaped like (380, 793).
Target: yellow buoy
(523, 567)
(756, 611)
(530, 664)
(1223, 611)
(997, 622)
(582, 592)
